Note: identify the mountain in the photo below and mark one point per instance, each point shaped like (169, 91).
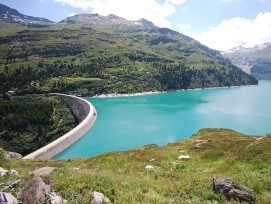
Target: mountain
(144, 22)
(255, 61)
(91, 54)
(95, 19)
(10, 15)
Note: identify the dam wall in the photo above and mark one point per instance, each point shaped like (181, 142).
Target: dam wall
(86, 115)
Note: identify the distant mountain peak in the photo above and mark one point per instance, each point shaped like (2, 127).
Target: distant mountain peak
(241, 48)
(145, 22)
(113, 16)
(255, 60)
(11, 15)
(262, 46)
(113, 19)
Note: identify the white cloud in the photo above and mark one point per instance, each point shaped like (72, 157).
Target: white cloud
(130, 9)
(71, 14)
(184, 28)
(84, 4)
(176, 2)
(237, 31)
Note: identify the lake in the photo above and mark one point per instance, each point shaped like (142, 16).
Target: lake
(124, 123)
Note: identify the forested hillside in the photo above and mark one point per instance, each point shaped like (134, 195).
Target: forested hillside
(30, 122)
(91, 54)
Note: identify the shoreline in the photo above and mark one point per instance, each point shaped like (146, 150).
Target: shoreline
(116, 95)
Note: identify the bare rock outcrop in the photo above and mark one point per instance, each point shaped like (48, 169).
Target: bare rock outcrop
(34, 191)
(12, 155)
(98, 198)
(9, 184)
(7, 198)
(232, 190)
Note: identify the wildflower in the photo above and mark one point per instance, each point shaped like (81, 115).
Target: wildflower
(27, 196)
(34, 166)
(52, 184)
(79, 197)
(84, 191)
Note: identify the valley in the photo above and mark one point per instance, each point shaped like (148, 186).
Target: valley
(167, 147)
(108, 54)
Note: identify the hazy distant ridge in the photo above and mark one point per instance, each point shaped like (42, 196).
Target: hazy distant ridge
(255, 61)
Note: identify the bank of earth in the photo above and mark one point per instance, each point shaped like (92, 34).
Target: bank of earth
(123, 178)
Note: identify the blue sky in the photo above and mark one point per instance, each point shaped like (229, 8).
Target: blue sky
(219, 24)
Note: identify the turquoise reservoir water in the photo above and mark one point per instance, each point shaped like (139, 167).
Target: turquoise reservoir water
(128, 122)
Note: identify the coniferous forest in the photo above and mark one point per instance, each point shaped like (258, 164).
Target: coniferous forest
(32, 121)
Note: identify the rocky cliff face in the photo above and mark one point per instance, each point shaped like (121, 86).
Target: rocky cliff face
(255, 61)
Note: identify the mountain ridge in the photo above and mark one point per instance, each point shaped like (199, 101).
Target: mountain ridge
(111, 19)
(90, 54)
(13, 16)
(255, 61)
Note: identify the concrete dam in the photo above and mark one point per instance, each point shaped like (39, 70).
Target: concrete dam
(86, 115)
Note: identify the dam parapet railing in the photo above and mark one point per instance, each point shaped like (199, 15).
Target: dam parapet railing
(86, 114)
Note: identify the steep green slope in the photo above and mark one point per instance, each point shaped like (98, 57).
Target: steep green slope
(122, 176)
(91, 54)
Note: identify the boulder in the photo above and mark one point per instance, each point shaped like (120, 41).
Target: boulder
(184, 157)
(56, 199)
(149, 167)
(13, 172)
(200, 140)
(44, 171)
(7, 198)
(98, 198)
(34, 191)
(12, 155)
(232, 190)
(4, 172)
(10, 184)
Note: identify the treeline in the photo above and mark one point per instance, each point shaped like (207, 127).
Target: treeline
(30, 122)
(24, 76)
(173, 77)
(18, 115)
(147, 76)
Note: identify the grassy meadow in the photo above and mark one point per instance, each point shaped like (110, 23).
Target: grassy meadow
(122, 176)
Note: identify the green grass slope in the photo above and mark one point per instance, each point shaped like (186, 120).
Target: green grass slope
(122, 176)
(108, 55)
